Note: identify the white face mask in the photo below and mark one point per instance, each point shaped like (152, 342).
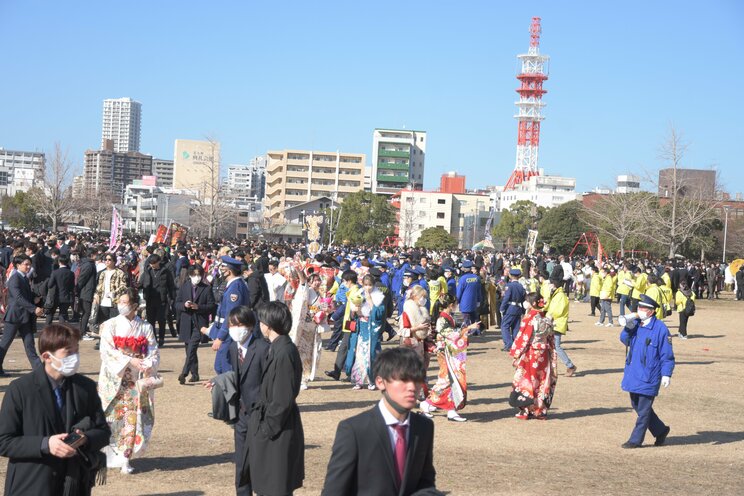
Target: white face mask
(195, 280)
(644, 314)
(239, 334)
(69, 365)
(526, 305)
(123, 308)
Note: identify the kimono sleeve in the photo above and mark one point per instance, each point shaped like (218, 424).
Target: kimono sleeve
(111, 358)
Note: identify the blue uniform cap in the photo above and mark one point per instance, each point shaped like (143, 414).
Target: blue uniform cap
(409, 273)
(515, 272)
(232, 262)
(447, 269)
(648, 302)
(467, 264)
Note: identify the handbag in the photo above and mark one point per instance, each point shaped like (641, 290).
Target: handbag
(350, 325)
(148, 383)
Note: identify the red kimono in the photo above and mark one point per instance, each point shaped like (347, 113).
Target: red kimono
(535, 361)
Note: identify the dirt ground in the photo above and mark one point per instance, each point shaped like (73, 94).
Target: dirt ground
(577, 451)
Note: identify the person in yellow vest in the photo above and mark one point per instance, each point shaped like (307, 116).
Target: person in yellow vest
(640, 280)
(595, 287)
(684, 310)
(667, 296)
(544, 278)
(557, 308)
(606, 293)
(654, 292)
(624, 285)
(666, 278)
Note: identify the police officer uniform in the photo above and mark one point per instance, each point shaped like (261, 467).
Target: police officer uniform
(469, 294)
(648, 364)
(511, 309)
(236, 294)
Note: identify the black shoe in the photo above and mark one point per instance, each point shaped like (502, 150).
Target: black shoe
(332, 349)
(97, 346)
(194, 378)
(630, 445)
(391, 336)
(662, 437)
(333, 374)
(182, 379)
(174, 333)
(161, 343)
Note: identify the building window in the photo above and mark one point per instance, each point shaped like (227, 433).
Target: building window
(441, 201)
(440, 215)
(422, 200)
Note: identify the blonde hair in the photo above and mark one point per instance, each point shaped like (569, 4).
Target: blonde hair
(417, 291)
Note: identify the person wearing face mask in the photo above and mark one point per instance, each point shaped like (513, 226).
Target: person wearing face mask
(194, 304)
(247, 353)
(42, 412)
(129, 352)
(386, 449)
(649, 363)
(368, 312)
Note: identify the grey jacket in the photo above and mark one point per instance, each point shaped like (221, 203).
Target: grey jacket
(225, 397)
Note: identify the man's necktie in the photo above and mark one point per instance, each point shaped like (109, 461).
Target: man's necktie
(59, 399)
(400, 451)
(241, 354)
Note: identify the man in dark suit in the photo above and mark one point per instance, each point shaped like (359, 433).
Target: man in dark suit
(86, 286)
(40, 410)
(158, 287)
(386, 450)
(256, 286)
(194, 304)
(60, 291)
(247, 354)
(21, 312)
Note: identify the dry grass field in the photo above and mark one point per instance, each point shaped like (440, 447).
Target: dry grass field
(576, 451)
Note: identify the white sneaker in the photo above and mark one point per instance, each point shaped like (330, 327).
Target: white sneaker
(427, 407)
(303, 386)
(88, 337)
(598, 324)
(127, 469)
(371, 387)
(609, 325)
(454, 417)
(681, 336)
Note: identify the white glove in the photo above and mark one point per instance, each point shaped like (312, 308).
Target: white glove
(665, 380)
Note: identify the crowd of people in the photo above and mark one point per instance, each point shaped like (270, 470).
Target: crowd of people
(263, 309)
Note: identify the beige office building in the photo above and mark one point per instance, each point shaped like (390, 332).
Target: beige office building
(196, 167)
(296, 176)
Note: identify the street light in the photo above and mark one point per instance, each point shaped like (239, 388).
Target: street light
(725, 231)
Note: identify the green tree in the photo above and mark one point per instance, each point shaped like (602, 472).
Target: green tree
(517, 220)
(365, 218)
(436, 238)
(562, 226)
(18, 211)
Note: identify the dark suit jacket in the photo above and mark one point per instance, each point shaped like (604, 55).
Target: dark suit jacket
(157, 285)
(190, 321)
(62, 283)
(87, 280)
(276, 441)
(29, 415)
(362, 460)
(257, 288)
(20, 307)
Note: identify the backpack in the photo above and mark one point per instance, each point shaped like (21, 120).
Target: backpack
(689, 307)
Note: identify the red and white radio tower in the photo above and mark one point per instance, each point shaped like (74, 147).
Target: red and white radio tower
(534, 73)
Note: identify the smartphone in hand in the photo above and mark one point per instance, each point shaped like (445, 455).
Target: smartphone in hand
(74, 440)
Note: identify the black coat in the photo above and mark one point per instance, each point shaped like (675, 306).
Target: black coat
(20, 306)
(157, 285)
(87, 280)
(62, 284)
(29, 414)
(188, 320)
(276, 441)
(43, 267)
(362, 460)
(257, 290)
(252, 369)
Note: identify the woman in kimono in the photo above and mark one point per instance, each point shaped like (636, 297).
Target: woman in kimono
(450, 391)
(364, 344)
(535, 362)
(415, 325)
(129, 352)
(305, 333)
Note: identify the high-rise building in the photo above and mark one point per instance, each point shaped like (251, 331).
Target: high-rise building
(196, 167)
(163, 170)
(122, 119)
(107, 171)
(20, 171)
(398, 157)
(296, 176)
(248, 181)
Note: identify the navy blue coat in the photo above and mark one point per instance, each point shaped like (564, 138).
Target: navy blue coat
(236, 294)
(469, 292)
(650, 356)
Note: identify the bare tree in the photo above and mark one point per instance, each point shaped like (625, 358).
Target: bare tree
(53, 200)
(213, 215)
(96, 210)
(680, 216)
(618, 216)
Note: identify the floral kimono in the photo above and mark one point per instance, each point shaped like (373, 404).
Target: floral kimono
(535, 360)
(305, 333)
(450, 390)
(364, 344)
(128, 412)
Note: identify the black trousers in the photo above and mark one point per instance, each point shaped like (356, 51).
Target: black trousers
(240, 433)
(105, 313)
(156, 312)
(336, 336)
(343, 348)
(683, 317)
(740, 292)
(192, 358)
(63, 315)
(27, 335)
(593, 304)
(87, 307)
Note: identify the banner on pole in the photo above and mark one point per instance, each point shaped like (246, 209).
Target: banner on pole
(177, 233)
(161, 234)
(117, 228)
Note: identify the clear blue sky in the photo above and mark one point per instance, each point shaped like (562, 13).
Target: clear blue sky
(323, 75)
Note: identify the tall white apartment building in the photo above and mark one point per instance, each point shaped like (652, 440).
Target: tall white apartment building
(122, 119)
(248, 180)
(398, 157)
(20, 171)
(163, 169)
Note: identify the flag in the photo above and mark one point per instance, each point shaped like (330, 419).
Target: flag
(161, 234)
(117, 227)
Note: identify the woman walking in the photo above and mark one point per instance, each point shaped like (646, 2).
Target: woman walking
(364, 344)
